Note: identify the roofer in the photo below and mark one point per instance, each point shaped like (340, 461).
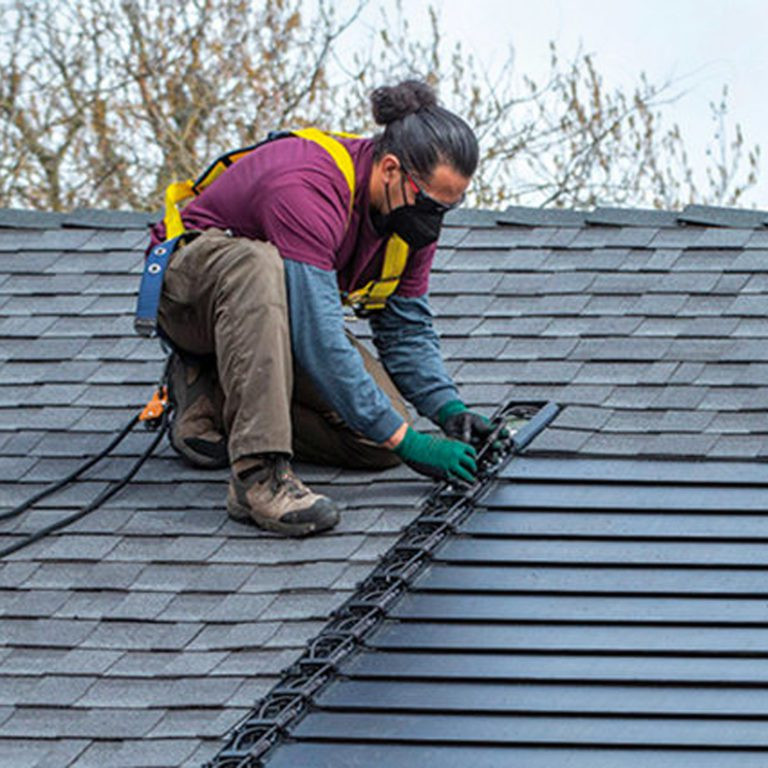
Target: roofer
(264, 368)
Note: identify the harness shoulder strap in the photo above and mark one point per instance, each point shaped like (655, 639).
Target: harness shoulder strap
(374, 295)
(337, 151)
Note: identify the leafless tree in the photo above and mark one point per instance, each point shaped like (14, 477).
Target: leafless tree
(103, 102)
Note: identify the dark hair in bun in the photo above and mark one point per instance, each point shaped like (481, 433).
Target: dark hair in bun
(420, 132)
(394, 102)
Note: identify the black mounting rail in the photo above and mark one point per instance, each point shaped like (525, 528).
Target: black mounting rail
(447, 507)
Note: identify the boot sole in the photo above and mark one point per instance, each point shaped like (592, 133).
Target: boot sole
(194, 459)
(242, 514)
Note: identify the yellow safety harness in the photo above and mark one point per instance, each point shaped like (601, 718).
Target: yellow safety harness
(370, 297)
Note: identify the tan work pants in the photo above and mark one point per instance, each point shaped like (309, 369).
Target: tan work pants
(225, 296)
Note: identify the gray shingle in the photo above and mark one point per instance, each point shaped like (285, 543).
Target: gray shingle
(739, 446)
(308, 605)
(632, 396)
(41, 349)
(679, 397)
(498, 260)
(101, 259)
(294, 634)
(629, 349)
(146, 753)
(743, 423)
(620, 444)
(633, 237)
(129, 635)
(694, 350)
(501, 326)
(111, 305)
(215, 608)
(464, 282)
(618, 305)
(153, 549)
(44, 284)
(22, 753)
(581, 417)
(274, 550)
(13, 574)
(661, 304)
(112, 285)
(733, 399)
(632, 217)
(56, 394)
(451, 236)
(540, 217)
(130, 240)
(687, 373)
(89, 218)
(14, 468)
(49, 633)
(290, 577)
(59, 661)
(746, 305)
(702, 327)
(242, 636)
(210, 723)
(478, 348)
(24, 604)
(731, 283)
(535, 349)
(28, 327)
(53, 691)
(680, 237)
(724, 238)
(555, 440)
(91, 326)
(498, 237)
(137, 664)
(22, 218)
(46, 305)
(752, 327)
(74, 576)
(470, 217)
(625, 373)
(683, 445)
(722, 217)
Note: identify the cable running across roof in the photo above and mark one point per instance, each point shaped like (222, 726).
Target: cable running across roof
(155, 416)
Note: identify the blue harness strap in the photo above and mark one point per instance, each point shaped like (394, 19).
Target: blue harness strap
(145, 322)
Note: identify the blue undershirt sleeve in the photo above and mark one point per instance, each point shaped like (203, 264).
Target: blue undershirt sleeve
(323, 352)
(409, 348)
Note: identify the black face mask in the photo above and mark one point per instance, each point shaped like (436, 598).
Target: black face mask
(417, 228)
(416, 225)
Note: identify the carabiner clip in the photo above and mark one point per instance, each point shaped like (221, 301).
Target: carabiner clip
(155, 408)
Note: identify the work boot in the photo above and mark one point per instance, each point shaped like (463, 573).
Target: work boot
(265, 490)
(197, 431)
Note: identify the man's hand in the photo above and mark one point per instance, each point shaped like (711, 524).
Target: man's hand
(458, 422)
(437, 457)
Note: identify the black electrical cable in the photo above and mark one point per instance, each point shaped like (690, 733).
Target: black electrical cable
(24, 506)
(102, 497)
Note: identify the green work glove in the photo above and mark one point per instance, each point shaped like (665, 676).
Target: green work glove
(437, 457)
(462, 424)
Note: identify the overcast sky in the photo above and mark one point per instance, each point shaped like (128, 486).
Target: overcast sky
(701, 44)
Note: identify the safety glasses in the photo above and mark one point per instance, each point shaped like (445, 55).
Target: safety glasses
(426, 203)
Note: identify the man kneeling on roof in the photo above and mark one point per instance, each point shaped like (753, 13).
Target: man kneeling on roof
(264, 368)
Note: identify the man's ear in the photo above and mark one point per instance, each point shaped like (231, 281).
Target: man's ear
(390, 167)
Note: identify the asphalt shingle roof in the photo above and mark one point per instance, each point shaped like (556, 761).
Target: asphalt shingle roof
(141, 634)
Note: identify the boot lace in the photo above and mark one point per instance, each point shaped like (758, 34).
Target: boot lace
(284, 479)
